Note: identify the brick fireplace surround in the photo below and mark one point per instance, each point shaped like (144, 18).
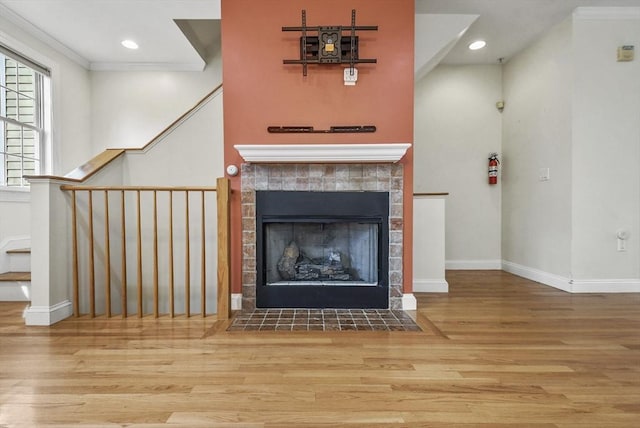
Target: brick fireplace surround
(385, 177)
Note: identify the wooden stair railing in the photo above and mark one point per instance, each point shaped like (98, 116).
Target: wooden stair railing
(102, 160)
(223, 243)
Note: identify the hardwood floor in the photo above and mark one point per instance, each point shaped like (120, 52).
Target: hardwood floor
(497, 351)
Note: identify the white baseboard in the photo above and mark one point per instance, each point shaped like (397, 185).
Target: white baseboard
(473, 264)
(409, 302)
(430, 286)
(605, 286)
(48, 315)
(236, 301)
(15, 291)
(574, 285)
(542, 277)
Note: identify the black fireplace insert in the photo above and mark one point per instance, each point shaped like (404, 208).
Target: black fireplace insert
(322, 249)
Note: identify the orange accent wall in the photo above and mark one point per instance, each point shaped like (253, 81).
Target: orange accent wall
(261, 91)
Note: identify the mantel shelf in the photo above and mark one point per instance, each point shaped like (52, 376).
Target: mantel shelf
(322, 153)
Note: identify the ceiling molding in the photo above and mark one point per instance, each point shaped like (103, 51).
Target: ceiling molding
(45, 38)
(315, 153)
(606, 13)
(146, 66)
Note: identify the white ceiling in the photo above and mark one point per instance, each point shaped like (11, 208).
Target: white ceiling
(93, 30)
(507, 26)
(178, 34)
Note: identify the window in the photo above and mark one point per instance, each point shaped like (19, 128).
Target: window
(23, 105)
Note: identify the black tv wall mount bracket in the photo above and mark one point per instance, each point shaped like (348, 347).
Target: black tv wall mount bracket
(329, 44)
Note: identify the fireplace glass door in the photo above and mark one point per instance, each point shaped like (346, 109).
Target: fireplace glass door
(331, 254)
(322, 249)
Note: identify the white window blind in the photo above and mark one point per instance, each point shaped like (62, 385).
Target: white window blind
(10, 53)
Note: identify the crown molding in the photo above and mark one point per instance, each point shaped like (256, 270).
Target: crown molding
(606, 13)
(147, 66)
(45, 38)
(316, 153)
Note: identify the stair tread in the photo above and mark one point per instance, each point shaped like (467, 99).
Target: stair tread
(19, 251)
(15, 276)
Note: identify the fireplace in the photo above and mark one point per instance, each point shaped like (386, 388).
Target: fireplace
(322, 249)
(346, 248)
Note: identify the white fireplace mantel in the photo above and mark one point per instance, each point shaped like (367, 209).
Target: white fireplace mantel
(322, 153)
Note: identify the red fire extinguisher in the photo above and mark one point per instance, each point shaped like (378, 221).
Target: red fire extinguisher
(493, 168)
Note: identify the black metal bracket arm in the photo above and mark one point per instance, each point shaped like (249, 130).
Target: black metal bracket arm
(310, 130)
(329, 45)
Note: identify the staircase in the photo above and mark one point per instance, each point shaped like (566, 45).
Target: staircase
(128, 236)
(15, 284)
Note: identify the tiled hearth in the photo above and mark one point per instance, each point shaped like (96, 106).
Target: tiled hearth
(323, 320)
(385, 177)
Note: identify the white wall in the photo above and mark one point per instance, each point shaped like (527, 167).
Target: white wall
(71, 121)
(606, 145)
(536, 214)
(129, 108)
(15, 216)
(429, 244)
(571, 107)
(71, 97)
(191, 155)
(456, 127)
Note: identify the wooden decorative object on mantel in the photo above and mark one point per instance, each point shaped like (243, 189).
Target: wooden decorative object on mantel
(311, 130)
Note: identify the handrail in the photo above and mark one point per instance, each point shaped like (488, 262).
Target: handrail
(142, 188)
(98, 162)
(94, 165)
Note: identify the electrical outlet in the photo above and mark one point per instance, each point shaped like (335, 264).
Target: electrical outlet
(622, 236)
(349, 78)
(543, 174)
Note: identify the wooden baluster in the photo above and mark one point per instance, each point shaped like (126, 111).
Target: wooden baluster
(74, 231)
(171, 279)
(139, 257)
(155, 254)
(123, 225)
(107, 257)
(92, 274)
(203, 270)
(224, 253)
(187, 274)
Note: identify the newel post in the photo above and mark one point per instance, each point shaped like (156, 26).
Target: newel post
(224, 244)
(50, 253)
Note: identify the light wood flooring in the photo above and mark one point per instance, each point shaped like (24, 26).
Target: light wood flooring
(497, 351)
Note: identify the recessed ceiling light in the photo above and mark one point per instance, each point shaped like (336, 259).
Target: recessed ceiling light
(129, 44)
(478, 44)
